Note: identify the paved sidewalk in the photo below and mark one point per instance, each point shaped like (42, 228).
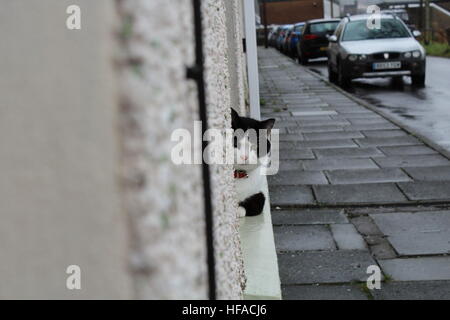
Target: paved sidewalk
(354, 190)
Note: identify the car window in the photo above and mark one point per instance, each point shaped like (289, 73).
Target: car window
(323, 27)
(389, 28)
(299, 29)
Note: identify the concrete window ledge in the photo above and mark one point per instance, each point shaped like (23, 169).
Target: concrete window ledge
(260, 258)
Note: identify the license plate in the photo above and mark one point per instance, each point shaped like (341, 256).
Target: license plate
(323, 48)
(387, 65)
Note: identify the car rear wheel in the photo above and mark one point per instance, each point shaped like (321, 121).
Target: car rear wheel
(301, 59)
(418, 81)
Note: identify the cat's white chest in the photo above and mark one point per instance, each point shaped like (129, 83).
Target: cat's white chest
(246, 187)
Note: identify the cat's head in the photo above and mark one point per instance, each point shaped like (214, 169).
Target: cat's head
(248, 153)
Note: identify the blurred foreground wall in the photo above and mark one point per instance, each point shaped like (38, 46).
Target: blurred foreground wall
(86, 118)
(59, 160)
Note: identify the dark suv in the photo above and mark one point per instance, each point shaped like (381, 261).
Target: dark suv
(313, 42)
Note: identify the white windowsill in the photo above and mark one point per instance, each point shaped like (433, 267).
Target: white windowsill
(260, 258)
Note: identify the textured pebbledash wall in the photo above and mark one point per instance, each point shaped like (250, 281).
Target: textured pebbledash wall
(165, 201)
(218, 49)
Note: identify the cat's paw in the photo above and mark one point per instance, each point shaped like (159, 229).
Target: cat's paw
(241, 212)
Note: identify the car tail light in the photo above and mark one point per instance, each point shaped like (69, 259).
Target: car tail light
(310, 37)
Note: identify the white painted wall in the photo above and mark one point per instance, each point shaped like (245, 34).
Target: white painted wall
(252, 58)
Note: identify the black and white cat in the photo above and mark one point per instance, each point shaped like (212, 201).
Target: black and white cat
(250, 163)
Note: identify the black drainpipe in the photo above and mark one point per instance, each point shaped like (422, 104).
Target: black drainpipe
(196, 73)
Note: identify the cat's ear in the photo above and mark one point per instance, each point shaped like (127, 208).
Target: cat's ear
(234, 119)
(267, 124)
(234, 114)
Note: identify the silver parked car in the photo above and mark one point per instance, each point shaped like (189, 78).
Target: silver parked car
(359, 49)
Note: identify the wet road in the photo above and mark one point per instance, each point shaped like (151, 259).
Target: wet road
(425, 110)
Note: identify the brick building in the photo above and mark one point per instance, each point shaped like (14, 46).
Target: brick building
(292, 11)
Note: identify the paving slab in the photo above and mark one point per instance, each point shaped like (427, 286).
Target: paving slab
(294, 154)
(426, 190)
(375, 193)
(347, 238)
(291, 137)
(290, 165)
(295, 95)
(324, 267)
(297, 178)
(286, 145)
(321, 144)
(384, 134)
(314, 129)
(337, 97)
(382, 249)
(323, 292)
(345, 105)
(291, 195)
(440, 173)
(303, 100)
(420, 233)
(348, 152)
(332, 122)
(298, 118)
(333, 135)
(338, 163)
(285, 124)
(412, 161)
(414, 290)
(367, 127)
(308, 217)
(366, 176)
(275, 114)
(316, 105)
(353, 109)
(365, 121)
(375, 239)
(303, 238)
(417, 269)
(358, 116)
(407, 150)
(366, 226)
(393, 141)
(313, 113)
